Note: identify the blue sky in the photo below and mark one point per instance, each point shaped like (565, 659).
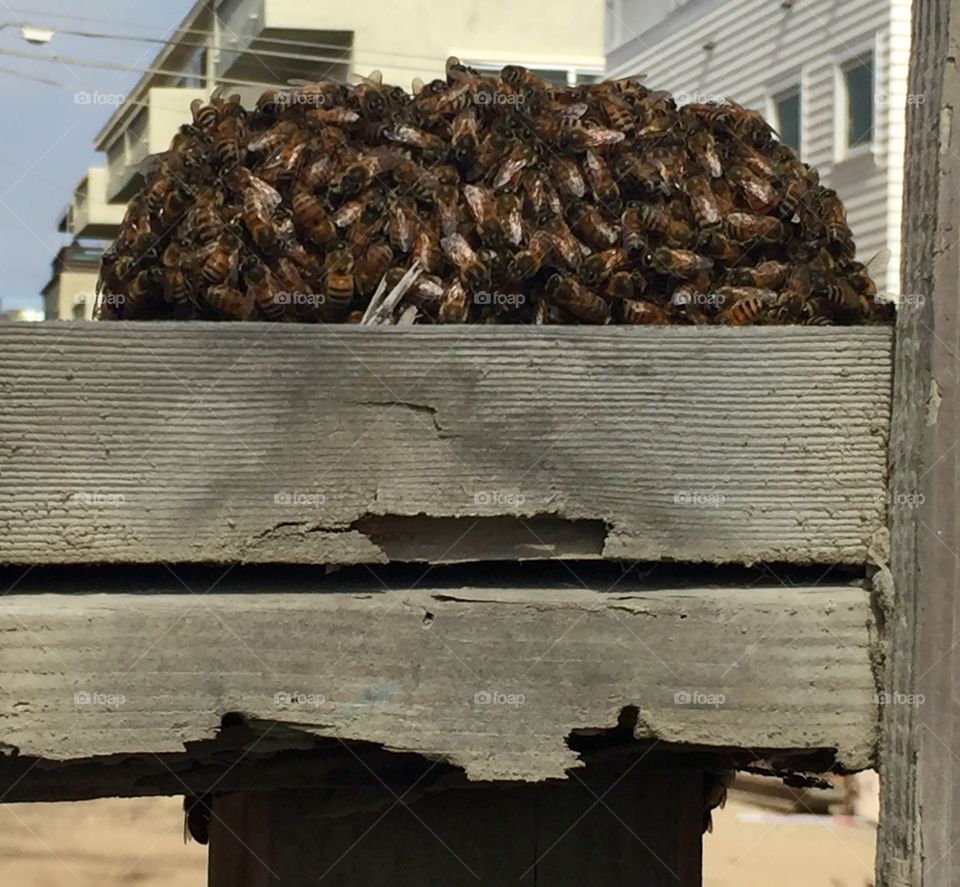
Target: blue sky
(48, 143)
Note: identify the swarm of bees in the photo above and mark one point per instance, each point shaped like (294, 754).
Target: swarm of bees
(511, 199)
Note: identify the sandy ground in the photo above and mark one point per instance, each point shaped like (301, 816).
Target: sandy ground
(140, 842)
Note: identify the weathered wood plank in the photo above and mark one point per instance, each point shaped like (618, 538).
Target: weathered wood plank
(624, 829)
(919, 839)
(279, 443)
(491, 680)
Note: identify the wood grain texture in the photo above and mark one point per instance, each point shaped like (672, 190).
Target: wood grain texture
(278, 443)
(919, 839)
(491, 680)
(628, 828)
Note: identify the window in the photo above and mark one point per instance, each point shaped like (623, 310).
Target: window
(857, 102)
(787, 116)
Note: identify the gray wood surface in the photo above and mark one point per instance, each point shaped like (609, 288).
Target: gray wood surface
(159, 442)
(919, 840)
(495, 681)
(621, 830)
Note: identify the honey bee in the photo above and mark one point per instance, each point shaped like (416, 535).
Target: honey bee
(565, 245)
(229, 137)
(402, 227)
(425, 292)
(471, 270)
(144, 295)
(602, 185)
(572, 296)
(371, 268)
(591, 227)
(679, 262)
(598, 267)
(454, 304)
(509, 218)
(569, 179)
(703, 201)
(639, 311)
(743, 305)
(311, 219)
(338, 286)
(229, 303)
(745, 227)
(703, 146)
(760, 195)
(464, 137)
(765, 275)
(518, 160)
(221, 262)
(262, 288)
(620, 285)
(526, 263)
(427, 251)
(656, 219)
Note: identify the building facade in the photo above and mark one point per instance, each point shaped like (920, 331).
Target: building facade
(831, 78)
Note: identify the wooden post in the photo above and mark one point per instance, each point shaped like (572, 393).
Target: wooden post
(919, 841)
(630, 828)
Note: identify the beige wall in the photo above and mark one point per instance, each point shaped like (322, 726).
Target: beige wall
(72, 288)
(414, 38)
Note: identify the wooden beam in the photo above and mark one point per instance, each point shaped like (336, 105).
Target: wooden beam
(919, 840)
(496, 681)
(167, 442)
(623, 829)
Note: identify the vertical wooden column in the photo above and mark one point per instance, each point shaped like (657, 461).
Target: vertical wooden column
(643, 829)
(919, 840)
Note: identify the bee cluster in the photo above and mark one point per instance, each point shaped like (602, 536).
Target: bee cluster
(483, 199)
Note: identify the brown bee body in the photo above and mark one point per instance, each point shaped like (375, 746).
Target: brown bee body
(743, 305)
(745, 227)
(572, 296)
(589, 224)
(471, 270)
(454, 305)
(703, 201)
(371, 267)
(230, 303)
(638, 311)
(680, 262)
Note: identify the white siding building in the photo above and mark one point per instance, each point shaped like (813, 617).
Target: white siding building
(831, 77)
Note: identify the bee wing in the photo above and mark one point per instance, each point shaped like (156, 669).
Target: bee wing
(878, 261)
(456, 248)
(478, 201)
(599, 137)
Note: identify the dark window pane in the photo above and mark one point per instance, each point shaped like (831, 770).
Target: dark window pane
(859, 81)
(788, 119)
